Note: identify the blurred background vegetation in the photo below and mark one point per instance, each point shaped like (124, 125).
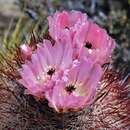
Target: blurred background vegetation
(19, 18)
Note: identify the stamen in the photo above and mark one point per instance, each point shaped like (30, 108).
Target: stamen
(70, 88)
(51, 71)
(88, 45)
(67, 27)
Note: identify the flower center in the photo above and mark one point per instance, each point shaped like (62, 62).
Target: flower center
(70, 88)
(51, 71)
(44, 76)
(88, 45)
(67, 27)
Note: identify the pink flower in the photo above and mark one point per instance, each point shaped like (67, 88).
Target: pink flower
(64, 20)
(76, 88)
(46, 60)
(99, 45)
(26, 51)
(67, 72)
(82, 33)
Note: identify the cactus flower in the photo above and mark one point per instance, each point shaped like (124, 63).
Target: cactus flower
(46, 60)
(67, 71)
(99, 45)
(84, 33)
(76, 88)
